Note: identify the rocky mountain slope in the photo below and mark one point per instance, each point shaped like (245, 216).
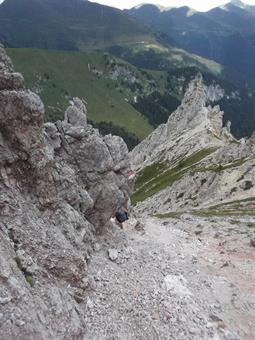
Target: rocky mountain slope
(194, 163)
(59, 186)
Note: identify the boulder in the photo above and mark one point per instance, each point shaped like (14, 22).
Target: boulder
(252, 241)
(76, 113)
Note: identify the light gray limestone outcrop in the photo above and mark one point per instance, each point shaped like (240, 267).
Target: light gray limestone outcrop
(218, 167)
(59, 185)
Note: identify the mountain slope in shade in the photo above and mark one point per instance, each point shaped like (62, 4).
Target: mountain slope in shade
(81, 25)
(66, 25)
(225, 34)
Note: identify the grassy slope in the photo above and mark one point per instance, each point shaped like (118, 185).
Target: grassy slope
(61, 75)
(155, 56)
(67, 25)
(158, 176)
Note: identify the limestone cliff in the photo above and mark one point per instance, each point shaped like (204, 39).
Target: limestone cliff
(193, 162)
(59, 185)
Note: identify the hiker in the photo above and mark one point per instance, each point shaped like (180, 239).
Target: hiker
(131, 174)
(121, 216)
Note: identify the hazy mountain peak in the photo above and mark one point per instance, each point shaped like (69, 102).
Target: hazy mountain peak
(237, 3)
(160, 8)
(152, 6)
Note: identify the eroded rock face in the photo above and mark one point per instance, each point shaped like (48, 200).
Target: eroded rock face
(59, 185)
(191, 121)
(192, 161)
(76, 113)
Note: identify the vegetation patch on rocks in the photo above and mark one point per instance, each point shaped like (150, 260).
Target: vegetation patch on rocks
(158, 176)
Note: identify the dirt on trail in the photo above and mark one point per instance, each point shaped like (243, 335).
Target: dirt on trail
(187, 278)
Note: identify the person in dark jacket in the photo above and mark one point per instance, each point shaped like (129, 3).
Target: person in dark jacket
(121, 216)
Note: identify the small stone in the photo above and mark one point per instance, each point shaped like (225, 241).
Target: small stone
(193, 331)
(215, 318)
(139, 226)
(198, 232)
(20, 323)
(222, 325)
(97, 247)
(92, 284)
(85, 282)
(225, 264)
(113, 254)
(166, 223)
(217, 235)
(252, 241)
(5, 300)
(78, 298)
(90, 303)
(222, 243)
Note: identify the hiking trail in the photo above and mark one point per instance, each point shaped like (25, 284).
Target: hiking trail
(187, 278)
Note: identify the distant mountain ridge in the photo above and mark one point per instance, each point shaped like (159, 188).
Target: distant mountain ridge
(67, 25)
(225, 34)
(77, 25)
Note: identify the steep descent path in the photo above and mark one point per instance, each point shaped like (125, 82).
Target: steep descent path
(185, 278)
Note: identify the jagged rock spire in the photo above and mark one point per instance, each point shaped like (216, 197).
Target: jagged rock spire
(76, 113)
(192, 118)
(195, 95)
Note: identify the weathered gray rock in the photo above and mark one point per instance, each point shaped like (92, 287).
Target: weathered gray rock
(11, 81)
(76, 113)
(252, 240)
(59, 185)
(205, 164)
(118, 151)
(113, 254)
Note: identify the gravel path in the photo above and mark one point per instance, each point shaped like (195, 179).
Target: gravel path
(178, 279)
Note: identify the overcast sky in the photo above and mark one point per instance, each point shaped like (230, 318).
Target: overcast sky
(201, 5)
